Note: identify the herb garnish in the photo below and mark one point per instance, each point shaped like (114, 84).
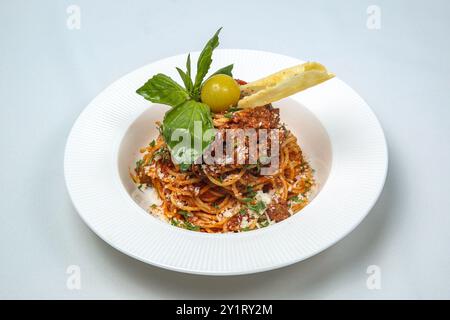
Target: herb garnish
(256, 166)
(242, 211)
(295, 199)
(162, 153)
(185, 214)
(258, 207)
(174, 222)
(264, 223)
(184, 166)
(231, 112)
(184, 224)
(250, 192)
(186, 104)
(139, 164)
(191, 226)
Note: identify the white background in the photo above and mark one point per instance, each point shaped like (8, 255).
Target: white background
(49, 73)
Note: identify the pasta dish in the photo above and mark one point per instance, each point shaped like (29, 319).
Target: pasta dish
(249, 173)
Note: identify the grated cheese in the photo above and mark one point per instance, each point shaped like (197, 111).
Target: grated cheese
(266, 198)
(146, 197)
(244, 222)
(228, 213)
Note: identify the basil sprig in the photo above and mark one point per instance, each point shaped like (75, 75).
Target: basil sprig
(187, 108)
(162, 89)
(180, 124)
(225, 70)
(204, 61)
(186, 76)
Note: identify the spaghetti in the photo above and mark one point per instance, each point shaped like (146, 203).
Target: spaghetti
(218, 198)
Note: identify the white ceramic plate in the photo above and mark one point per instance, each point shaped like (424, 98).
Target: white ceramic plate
(336, 129)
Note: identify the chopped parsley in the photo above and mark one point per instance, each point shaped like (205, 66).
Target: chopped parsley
(185, 214)
(250, 192)
(191, 226)
(152, 144)
(258, 207)
(242, 211)
(162, 152)
(264, 223)
(231, 112)
(184, 224)
(256, 166)
(295, 199)
(139, 164)
(184, 166)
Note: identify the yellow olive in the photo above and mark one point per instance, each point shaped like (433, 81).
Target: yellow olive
(220, 92)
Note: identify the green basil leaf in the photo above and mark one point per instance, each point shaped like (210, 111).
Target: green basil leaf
(186, 76)
(225, 70)
(204, 60)
(186, 80)
(162, 89)
(188, 67)
(188, 122)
